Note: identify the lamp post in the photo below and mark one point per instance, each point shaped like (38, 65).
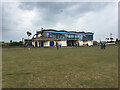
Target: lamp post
(29, 34)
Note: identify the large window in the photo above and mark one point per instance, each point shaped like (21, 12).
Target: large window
(68, 36)
(63, 35)
(51, 35)
(72, 36)
(76, 36)
(47, 35)
(89, 37)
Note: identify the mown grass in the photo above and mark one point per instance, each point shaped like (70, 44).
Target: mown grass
(78, 67)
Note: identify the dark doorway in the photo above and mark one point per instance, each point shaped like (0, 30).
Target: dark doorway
(70, 43)
(42, 44)
(36, 44)
(51, 43)
(78, 44)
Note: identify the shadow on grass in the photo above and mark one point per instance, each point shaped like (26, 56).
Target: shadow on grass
(26, 73)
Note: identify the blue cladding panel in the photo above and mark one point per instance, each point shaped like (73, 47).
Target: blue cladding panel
(50, 31)
(71, 33)
(89, 34)
(61, 32)
(56, 32)
(65, 32)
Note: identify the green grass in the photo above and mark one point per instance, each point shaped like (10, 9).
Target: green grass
(78, 67)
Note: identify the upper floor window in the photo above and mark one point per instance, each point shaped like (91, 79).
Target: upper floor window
(76, 36)
(47, 35)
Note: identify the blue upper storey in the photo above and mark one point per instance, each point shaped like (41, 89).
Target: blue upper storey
(68, 35)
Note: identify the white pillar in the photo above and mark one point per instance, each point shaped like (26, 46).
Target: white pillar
(34, 43)
(54, 43)
(37, 43)
(81, 43)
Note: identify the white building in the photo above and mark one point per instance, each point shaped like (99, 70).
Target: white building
(49, 38)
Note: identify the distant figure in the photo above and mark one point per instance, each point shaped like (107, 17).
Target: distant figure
(87, 44)
(101, 45)
(78, 44)
(104, 46)
(60, 45)
(57, 45)
(28, 48)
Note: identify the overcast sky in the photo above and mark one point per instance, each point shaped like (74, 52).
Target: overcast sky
(101, 18)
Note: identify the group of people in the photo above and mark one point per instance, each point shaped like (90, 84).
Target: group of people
(57, 45)
(103, 46)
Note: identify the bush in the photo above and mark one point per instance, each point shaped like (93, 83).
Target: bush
(16, 44)
(5, 44)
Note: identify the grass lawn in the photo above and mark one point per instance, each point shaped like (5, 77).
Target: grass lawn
(77, 67)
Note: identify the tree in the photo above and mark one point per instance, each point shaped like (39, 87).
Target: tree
(10, 41)
(29, 34)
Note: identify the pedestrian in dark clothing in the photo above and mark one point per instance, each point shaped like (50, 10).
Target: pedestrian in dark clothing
(101, 45)
(104, 46)
(78, 44)
(60, 45)
(57, 45)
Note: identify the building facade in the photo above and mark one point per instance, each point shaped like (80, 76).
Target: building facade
(49, 38)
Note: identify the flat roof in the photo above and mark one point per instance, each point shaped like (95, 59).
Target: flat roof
(63, 31)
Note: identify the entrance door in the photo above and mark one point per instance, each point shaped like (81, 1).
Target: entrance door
(39, 44)
(36, 44)
(42, 44)
(51, 43)
(78, 44)
(68, 43)
(71, 43)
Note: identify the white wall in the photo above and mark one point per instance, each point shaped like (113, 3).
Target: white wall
(63, 43)
(33, 43)
(37, 43)
(80, 43)
(54, 43)
(47, 44)
(90, 43)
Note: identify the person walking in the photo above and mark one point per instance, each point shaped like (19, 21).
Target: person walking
(57, 45)
(104, 46)
(101, 45)
(60, 45)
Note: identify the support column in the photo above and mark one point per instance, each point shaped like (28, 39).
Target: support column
(34, 43)
(37, 43)
(54, 43)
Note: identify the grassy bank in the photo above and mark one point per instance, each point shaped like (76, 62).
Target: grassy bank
(78, 67)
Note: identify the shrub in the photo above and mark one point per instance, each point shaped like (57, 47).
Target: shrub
(16, 44)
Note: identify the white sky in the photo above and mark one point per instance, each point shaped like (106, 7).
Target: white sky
(101, 18)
